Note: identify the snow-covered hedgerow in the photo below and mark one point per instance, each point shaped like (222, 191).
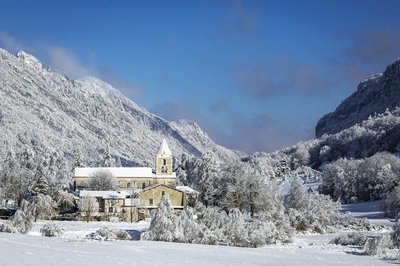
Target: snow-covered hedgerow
(214, 226)
(51, 230)
(106, 234)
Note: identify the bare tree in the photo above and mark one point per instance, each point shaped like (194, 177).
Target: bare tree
(102, 180)
(88, 206)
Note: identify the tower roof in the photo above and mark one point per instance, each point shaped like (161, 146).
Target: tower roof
(164, 149)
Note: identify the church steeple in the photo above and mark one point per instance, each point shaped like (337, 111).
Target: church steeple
(164, 149)
(164, 159)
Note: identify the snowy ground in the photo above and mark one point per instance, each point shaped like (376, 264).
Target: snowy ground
(16, 249)
(73, 249)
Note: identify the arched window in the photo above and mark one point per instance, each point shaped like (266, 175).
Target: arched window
(164, 162)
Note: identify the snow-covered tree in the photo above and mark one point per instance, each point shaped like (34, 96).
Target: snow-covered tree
(41, 185)
(103, 180)
(43, 206)
(65, 201)
(163, 225)
(78, 160)
(88, 206)
(107, 161)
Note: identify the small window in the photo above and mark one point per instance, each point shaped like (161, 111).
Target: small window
(163, 169)
(110, 209)
(128, 184)
(164, 162)
(150, 201)
(143, 185)
(162, 193)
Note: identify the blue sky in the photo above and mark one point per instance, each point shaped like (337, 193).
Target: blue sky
(256, 75)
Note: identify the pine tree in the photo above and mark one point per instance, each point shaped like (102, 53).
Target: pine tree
(107, 156)
(163, 224)
(78, 159)
(41, 185)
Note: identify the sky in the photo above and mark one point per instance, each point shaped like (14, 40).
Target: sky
(255, 75)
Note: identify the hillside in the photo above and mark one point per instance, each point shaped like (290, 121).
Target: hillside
(374, 95)
(46, 110)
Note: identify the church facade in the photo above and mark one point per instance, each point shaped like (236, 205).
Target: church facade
(134, 178)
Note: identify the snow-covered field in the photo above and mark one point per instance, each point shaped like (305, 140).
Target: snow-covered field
(73, 249)
(16, 249)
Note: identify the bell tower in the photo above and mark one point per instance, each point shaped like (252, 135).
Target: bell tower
(164, 160)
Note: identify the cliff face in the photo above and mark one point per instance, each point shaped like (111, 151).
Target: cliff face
(48, 111)
(373, 95)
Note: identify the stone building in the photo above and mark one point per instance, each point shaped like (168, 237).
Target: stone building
(133, 177)
(140, 188)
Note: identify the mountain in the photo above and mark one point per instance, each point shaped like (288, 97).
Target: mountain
(48, 111)
(374, 95)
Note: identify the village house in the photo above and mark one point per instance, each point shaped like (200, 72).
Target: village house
(140, 189)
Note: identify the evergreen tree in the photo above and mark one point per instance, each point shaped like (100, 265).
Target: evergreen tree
(163, 224)
(78, 161)
(107, 156)
(41, 185)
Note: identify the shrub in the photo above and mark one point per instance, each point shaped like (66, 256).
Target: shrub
(352, 239)
(51, 230)
(106, 234)
(378, 246)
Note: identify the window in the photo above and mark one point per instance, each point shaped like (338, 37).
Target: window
(164, 162)
(110, 209)
(143, 185)
(163, 169)
(150, 201)
(101, 205)
(162, 193)
(128, 184)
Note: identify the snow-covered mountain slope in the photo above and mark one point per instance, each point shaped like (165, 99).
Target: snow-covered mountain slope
(374, 95)
(48, 111)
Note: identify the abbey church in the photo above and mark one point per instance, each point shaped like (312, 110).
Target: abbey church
(140, 188)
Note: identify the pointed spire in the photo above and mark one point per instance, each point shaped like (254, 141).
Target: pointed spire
(164, 149)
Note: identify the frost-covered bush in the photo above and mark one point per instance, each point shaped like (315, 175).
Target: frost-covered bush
(213, 226)
(353, 239)
(379, 246)
(392, 203)
(310, 211)
(7, 227)
(22, 221)
(395, 235)
(51, 230)
(106, 234)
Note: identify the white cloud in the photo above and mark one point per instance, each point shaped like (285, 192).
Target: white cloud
(9, 43)
(66, 62)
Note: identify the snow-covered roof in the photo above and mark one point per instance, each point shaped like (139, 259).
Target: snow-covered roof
(187, 190)
(164, 149)
(102, 194)
(116, 171)
(173, 175)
